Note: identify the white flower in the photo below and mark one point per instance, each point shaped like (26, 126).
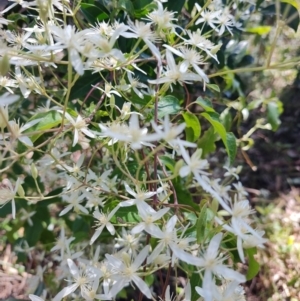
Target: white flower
(74, 201)
(173, 73)
(198, 40)
(103, 221)
(169, 133)
(8, 193)
(67, 37)
(229, 291)
(149, 216)
(79, 126)
(190, 57)
(139, 198)
(143, 31)
(163, 19)
(168, 238)
(83, 278)
(16, 132)
(212, 263)
(126, 271)
(62, 243)
(194, 163)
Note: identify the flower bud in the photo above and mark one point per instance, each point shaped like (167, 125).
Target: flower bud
(4, 65)
(34, 171)
(21, 191)
(3, 117)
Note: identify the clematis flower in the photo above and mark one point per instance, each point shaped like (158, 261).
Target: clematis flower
(83, 278)
(103, 221)
(16, 131)
(126, 271)
(79, 126)
(8, 193)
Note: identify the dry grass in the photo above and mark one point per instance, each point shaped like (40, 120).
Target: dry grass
(279, 279)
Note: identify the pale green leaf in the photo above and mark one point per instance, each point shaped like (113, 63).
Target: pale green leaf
(193, 127)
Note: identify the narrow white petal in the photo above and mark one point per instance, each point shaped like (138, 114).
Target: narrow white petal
(65, 292)
(25, 140)
(213, 248)
(141, 257)
(229, 274)
(96, 234)
(73, 268)
(143, 287)
(76, 61)
(35, 298)
(110, 228)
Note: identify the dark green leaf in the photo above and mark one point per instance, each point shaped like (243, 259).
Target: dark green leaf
(168, 162)
(231, 146)
(274, 110)
(207, 142)
(183, 195)
(84, 84)
(168, 105)
(201, 224)
(176, 5)
(227, 138)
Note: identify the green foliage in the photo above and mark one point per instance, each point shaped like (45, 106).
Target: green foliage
(168, 105)
(193, 127)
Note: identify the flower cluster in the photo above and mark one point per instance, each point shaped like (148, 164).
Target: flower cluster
(116, 167)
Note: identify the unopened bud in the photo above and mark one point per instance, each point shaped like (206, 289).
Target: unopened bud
(216, 49)
(4, 65)
(21, 191)
(34, 171)
(3, 117)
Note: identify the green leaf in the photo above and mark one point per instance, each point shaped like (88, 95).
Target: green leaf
(214, 120)
(260, 30)
(183, 195)
(168, 105)
(91, 12)
(176, 6)
(253, 264)
(213, 87)
(207, 142)
(33, 233)
(84, 84)
(201, 224)
(126, 5)
(48, 121)
(193, 127)
(273, 112)
(231, 146)
(168, 162)
(205, 103)
(227, 138)
(142, 12)
(124, 214)
(195, 280)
